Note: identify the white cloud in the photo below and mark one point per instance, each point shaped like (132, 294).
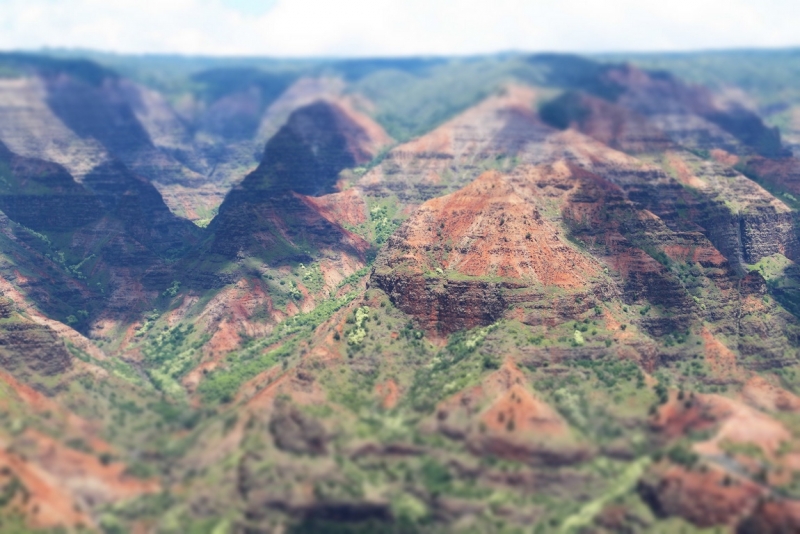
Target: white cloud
(394, 27)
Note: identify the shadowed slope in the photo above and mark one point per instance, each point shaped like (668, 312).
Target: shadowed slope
(266, 214)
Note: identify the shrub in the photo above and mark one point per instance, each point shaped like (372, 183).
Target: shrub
(682, 455)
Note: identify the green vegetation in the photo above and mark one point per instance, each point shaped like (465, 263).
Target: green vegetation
(459, 364)
(625, 483)
(221, 385)
(172, 290)
(171, 354)
(356, 335)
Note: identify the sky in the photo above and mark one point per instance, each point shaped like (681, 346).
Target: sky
(357, 28)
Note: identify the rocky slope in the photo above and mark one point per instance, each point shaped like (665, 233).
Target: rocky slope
(267, 214)
(101, 240)
(463, 260)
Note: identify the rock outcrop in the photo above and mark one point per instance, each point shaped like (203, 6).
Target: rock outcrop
(463, 259)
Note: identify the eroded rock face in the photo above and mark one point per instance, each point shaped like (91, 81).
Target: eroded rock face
(96, 109)
(81, 115)
(278, 227)
(461, 260)
(657, 114)
(113, 226)
(43, 195)
(610, 227)
(30, 349)
(496, 131)
(609, 123)
(91, 116)
(692, 115)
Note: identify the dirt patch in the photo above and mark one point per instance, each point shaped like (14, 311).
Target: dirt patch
(39, 498)
(761, 394)
(389, 393)
(683, 173)
(517, 410)
(726, 158)
(63, 485)
(225, 339)
(494, 231)
(501, 416)
(730, 420)
(345, 207)
(720, 358)
(774, 515)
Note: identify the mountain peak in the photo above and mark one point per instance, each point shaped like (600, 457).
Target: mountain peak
(317, 142)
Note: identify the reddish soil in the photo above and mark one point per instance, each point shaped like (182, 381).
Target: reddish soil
(682, 171)
(705, 496)
(43, 501)
(455, 414)
(389, 393)
(225, 339)
(746, 425)
(707, 256)
(775, 515)
(619, 127)
(494, 231)
(731, 420)
(324, 354)
(517, 410)
(29, 396)
(761, 394)
(41, 404)
(62, 484)
(720, 358)
(753, 304)
(723, 157)
(502, 416)
(345, 207)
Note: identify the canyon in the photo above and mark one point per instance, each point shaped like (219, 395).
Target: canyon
(559, 295)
